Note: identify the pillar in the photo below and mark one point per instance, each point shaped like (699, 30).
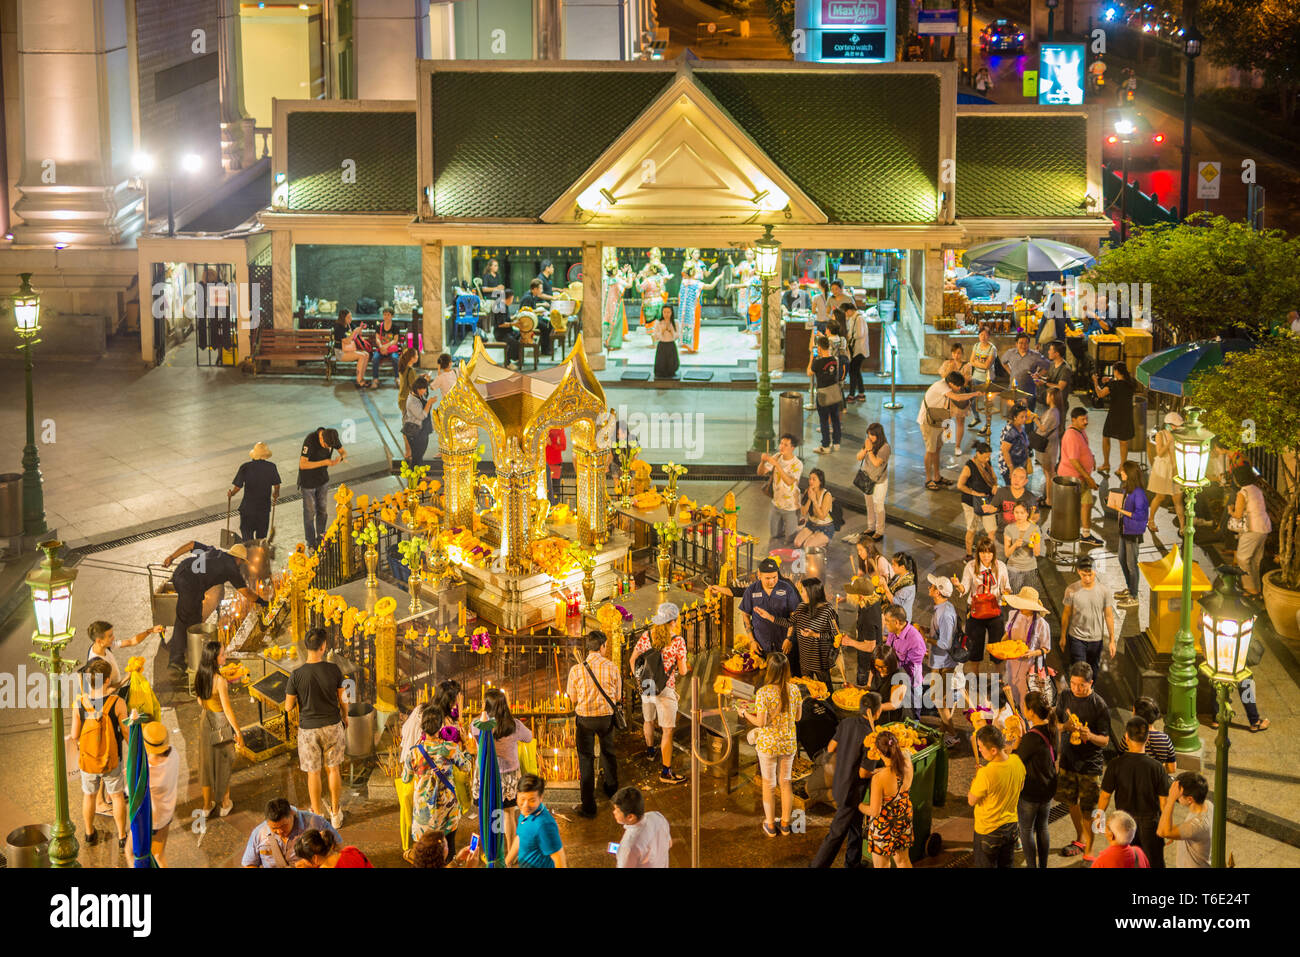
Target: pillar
(343, 522)
(74, 87)
(592, 465)
(281, 279)
(517, 484)
(431, 303)
(932, 292)
(238, 149)
(458, 445)
(592, 271)
(388, 37)
(775, 357)
(386, 664)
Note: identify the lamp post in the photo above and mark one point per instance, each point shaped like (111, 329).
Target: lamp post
(144, 166)
(26, 304)
(51, 586)
(1124, 129)
(1191, 456)
(1191, 50)
(1051, 19)
(768, 255)
(1227, 625)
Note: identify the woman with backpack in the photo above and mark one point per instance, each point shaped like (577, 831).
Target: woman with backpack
(813, 627)
(777, 706)
(429, 765)
(218, 730)
(97, 731)
(819, 525)
(665, 659)
(1037, 749)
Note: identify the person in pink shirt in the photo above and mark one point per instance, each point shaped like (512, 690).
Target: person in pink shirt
(1077, 462)
(909, 645)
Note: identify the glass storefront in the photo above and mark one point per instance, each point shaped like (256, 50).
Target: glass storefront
(365, 279)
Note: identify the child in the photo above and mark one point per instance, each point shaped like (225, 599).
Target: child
(646, 837)
(1134, 513)
(537, 839)
(1023, 541)
(868, 632)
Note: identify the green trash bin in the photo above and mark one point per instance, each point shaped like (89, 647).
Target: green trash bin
(929, 790)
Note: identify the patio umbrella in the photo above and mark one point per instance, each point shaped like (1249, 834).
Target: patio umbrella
(490, 810)
(139, 807)
(1028, 258)
(1168, 370)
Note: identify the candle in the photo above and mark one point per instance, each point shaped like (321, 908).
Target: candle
(460, 614)
(561, 615)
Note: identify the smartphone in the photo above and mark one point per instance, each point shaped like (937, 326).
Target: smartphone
(473, 844)
(613, 847)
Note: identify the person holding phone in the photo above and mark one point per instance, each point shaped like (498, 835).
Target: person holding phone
(646, 837)
(977, 483)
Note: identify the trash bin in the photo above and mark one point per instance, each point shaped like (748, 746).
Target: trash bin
(28, 846)
(929, 790)
(1139, 419)
(791, 416)
(814, 563)
(196, 636)
(11, 505)
(1066, 496)
(361, 730)
(888, 308)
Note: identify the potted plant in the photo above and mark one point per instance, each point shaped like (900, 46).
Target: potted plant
(368, 538)
(413, 551)
(585, 559)
(668, 532)
(1250, 403)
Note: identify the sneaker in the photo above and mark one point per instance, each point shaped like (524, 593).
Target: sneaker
(822, 450)
(650, 754)
(835, 447)
(583, 812)
(957, 451)
(669, 776)
(1122, 595)
(1088, 538)
(336, 817)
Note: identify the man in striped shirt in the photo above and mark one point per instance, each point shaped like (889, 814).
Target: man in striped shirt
(595, 719)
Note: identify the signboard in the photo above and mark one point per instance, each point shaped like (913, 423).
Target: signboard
(937, 22)
(857, 31)
(1060, 74)
(1030, 84)
(1208, 176)
(853, 45)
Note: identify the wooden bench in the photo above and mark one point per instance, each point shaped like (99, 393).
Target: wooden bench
(296, 345)
(494, 346)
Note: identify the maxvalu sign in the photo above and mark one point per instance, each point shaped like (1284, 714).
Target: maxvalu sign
(839, 30)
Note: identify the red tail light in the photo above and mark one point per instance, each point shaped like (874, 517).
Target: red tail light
(1159, 137)
(1112, 140)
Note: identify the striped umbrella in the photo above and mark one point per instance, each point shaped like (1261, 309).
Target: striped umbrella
(1168, 370)
(139, 807)
(490, 810)
(1028, 258)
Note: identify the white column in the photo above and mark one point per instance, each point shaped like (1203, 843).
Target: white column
(775, 357)
(281, 279)
(75, 127)
(388, 36)
(932, 293)
(431, 303)
(592, 270)
(238, 149)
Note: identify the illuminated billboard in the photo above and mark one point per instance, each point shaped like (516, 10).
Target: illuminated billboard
(838, 31)
(1060, 74)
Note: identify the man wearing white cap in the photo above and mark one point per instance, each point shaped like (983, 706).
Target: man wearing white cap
(260, 480)
(657, 660)
(943, 633)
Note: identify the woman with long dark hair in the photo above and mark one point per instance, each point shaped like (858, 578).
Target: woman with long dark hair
(900, 589)
(984, 582)
(777, 706)
(348, 345)
(1037, 749)
(665, 332)
(874, 459)
(218, 730)
(868, 560)
(1118, 393)
(977, 483)
(818, 525)
(1250, 508)
(317, 848)
(1133, 514)
(508, 732)
(890, 805)
(813, 627)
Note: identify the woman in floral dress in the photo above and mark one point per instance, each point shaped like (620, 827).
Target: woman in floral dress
(777, 706)
(429, 764)
(890, 807)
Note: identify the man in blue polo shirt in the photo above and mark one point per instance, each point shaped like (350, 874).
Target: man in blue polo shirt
(978, 286)
(767, 604)
(537, 837)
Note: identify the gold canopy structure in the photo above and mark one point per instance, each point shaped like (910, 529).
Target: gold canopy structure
(518, 411)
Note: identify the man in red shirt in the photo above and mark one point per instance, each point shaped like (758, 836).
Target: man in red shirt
(1077, 462)
(555, 445)
(1120, 831)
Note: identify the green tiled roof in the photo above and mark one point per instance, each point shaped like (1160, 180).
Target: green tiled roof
(888, 172)
(381, 144)
(1021, 166)
(507, 144)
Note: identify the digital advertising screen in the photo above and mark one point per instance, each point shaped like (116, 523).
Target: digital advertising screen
(1060, 74)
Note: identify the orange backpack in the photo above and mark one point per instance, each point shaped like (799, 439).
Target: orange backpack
(99, 744)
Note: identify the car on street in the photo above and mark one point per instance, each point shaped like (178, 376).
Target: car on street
(1002, 36)
(1145, 141)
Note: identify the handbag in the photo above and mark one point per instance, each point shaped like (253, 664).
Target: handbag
(222, 732)
(863, 483)
(829, 395)
(936, 415)
(1237, 524)
(620, 719)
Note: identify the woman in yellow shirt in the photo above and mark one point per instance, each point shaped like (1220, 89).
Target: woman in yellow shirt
(218, 730)
(777, 706)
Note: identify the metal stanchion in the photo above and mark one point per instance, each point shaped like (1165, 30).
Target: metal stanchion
(887, 331)
(893, 402)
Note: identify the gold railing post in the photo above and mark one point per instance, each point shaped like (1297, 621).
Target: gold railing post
(386, 664)
(343, 520)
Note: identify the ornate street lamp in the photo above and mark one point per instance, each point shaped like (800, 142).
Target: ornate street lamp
(26, 305)
(1125, 129)
(1227, 625)
(1191, 457)
(51, 586)
(1191, 50)
(768, 255)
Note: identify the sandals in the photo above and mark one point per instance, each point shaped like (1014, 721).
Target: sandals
(1258, 726)
(933, 487)
(1073, 849)
(785, 828)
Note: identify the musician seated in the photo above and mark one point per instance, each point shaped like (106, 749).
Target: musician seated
(505, 331)
(539, 302)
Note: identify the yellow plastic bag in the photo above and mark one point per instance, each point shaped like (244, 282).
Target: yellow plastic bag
(528, 757)
(140, 697)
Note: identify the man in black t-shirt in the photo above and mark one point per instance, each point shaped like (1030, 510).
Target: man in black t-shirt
(1085, 731)
(317, 692)
(544, 277)
(199, 581)
(1140, 786)
(260, 480)
(503, 331)
(851, 784)
(538, 301)
(826, 370)
(313, 479)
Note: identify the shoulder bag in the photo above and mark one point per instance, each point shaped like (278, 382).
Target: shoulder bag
(829, 395)
(861, 481)
(620, 719)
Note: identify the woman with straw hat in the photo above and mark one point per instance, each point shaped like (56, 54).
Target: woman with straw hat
(1027, 623)
(260, 480)
(164, 775)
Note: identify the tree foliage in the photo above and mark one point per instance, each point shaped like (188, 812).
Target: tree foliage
(1259, 35)
(1250, 401)
(1209, 276)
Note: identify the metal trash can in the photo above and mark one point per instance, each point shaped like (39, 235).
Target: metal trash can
(1139, 424)
(1067, 493)
(791, 416)
(196, 636)
(11, 505)
(888, 310)
(814, 563)
(361, 730)
(28, 846)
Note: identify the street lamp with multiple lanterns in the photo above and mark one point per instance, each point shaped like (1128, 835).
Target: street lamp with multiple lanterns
(145, 165)
(767, 253)
(51, 587)
(1191, 460)
(26, 305)
(1227, 626)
